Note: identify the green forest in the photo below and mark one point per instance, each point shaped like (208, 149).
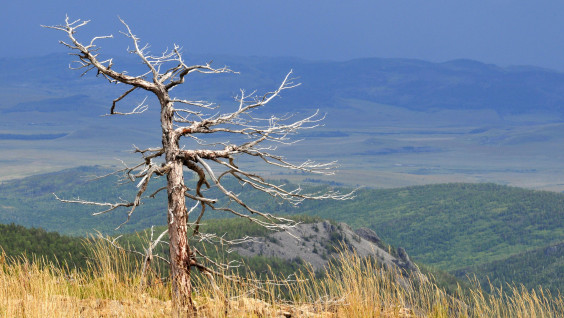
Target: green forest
(19, 241)
(540, 267)
(454, 225)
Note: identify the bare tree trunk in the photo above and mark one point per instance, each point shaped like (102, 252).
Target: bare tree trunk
(182, 305)
(179, 248)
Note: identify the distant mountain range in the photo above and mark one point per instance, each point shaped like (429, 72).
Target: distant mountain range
(412, 84)
(390, 122)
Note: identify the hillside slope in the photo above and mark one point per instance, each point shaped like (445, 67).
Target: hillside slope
(539, 267)
(449, 226)
(31, 202)
(312, 242)
(454, 225)
(17, 241)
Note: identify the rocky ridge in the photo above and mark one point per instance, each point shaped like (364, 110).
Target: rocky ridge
(317, 243)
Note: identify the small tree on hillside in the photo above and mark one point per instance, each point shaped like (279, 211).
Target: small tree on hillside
(210, 162)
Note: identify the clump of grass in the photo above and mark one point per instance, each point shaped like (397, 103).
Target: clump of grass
(113, 286)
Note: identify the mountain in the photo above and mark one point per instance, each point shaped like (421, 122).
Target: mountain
(412, 84)
(390, 122)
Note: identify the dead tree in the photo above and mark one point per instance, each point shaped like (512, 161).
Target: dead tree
(210, 162)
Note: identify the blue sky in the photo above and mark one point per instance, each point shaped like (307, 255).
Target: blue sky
(503, 32)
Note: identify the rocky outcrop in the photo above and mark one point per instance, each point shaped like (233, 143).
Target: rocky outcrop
(404, 262)
(369, 235)
(317, 243)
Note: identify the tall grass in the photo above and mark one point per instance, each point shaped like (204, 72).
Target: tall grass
(356, 287)
(110, 287)
(113, 286)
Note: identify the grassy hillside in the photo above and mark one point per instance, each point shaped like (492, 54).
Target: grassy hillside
(112, 287)
(75, 252)
(111, 283)
(34, 243)
(450, 226)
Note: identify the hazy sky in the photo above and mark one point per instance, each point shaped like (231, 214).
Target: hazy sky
(504, 32)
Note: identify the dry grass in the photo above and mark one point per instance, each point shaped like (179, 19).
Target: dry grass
(112, 287)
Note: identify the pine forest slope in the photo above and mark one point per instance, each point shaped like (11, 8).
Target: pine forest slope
(539, 267)
(455, 225)
(19, 241)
